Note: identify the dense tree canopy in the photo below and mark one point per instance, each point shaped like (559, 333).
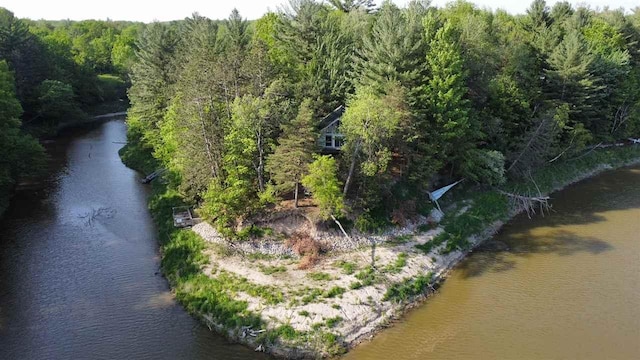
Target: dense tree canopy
(55, 72)
(431, 95)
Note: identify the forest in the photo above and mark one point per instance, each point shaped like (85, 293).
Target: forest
(232, 108)
(53, 73)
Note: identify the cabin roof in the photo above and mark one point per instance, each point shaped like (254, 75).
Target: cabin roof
(331, 118)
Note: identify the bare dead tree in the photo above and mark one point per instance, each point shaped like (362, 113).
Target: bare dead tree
(530, 203)
(622, 114)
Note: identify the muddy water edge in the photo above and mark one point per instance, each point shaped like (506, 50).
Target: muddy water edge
(563, 286)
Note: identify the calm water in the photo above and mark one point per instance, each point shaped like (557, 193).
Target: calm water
(78, 263)
(566, 286)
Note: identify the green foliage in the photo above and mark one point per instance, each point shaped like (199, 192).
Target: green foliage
(401, 239)
(369, 124)
(56, 102)
(291, 159)
(112, 87)
(324, 185)
(397, 266)
(311, 295)
(319, 276)
(334, 291)
(21, 154)
(332, 322)
(286, 332)
(367, 276)
(347, 267)
(372, 221)
(408, 288)
(269, 270)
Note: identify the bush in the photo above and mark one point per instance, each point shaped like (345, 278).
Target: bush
(372, 221)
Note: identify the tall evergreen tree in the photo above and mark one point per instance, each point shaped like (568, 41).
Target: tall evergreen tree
(455, 131)
(152, 77)
(290, 161)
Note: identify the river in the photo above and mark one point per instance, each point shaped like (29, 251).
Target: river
(79, 262)
(79, 265)
(563, 286)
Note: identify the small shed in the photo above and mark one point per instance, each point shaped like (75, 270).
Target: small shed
(331, 139)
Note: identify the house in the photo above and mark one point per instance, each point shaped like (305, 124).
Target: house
(331, 140)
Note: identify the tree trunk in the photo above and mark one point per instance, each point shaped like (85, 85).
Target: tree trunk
(295, 196)
(352, 168)
(207, 143)
(260, 168)
(340, 226)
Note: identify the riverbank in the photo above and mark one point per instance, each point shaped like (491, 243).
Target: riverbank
(356, 289)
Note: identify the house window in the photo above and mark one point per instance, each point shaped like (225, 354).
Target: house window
(328, 141)
(338, 142)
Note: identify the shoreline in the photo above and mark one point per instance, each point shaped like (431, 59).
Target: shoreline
(290, 319)
(487, 234)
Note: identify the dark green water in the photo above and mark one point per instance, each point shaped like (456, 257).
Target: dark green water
(78, 264)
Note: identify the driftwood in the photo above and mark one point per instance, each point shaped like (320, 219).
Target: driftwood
(529, 203)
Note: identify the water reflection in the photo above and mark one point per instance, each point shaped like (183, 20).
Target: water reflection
(79, 264)
(563, 286)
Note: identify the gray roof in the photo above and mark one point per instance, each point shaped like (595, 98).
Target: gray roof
(331, 118)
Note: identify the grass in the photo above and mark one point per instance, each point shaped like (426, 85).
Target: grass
(367, 276)
(319, 276)
(400, 239)
(398, 264)
(485, 208)
(347, 267)
(253, 232)
(304, 313)
(183, 260)
(334, 291)
(311, 296)
(490, 206)
(269, 270)
(332, 322)
(408, 288)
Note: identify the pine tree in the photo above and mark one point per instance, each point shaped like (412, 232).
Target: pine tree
(151, 77)
(291, 159)
(353, 5)
(454, 132)
(394, 51)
